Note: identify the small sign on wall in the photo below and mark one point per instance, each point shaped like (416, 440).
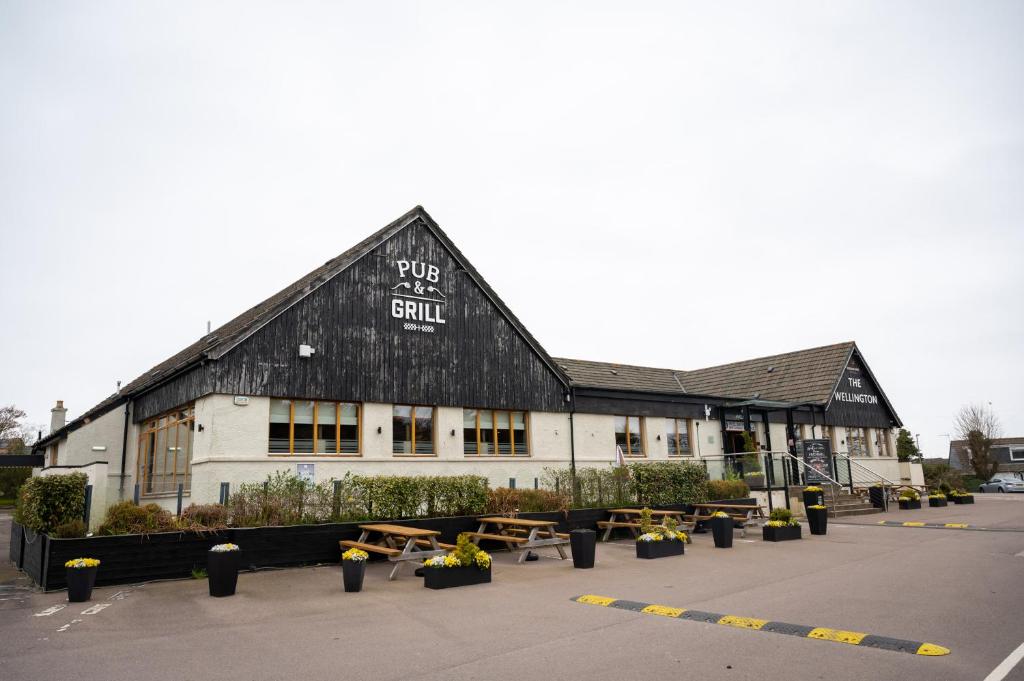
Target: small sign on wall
(306, 472)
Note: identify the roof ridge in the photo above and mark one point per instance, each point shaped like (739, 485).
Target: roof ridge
(846, 344)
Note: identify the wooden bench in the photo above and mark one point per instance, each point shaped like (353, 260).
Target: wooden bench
(609, 523)
(519, 530)
(370, 547)
(425, 543)
(498, 537)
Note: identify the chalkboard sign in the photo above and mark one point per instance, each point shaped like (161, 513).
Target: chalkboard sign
(818, 457)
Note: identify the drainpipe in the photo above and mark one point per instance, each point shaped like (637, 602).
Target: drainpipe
(572, 434)
(124, 448)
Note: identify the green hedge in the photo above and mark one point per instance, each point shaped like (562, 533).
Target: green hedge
(284, 499)
(657, 483)
(11, 480)
(46, 502)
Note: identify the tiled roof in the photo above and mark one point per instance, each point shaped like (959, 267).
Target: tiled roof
(801, 376)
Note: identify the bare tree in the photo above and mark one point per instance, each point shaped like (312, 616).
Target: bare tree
(10, 421)
(978, 426)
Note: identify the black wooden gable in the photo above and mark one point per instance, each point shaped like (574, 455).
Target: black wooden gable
(858, 400)
(407, 319)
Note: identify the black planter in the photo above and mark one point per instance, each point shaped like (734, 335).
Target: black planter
(80, 583)
(659, 549)
(222, 572)
(583, 544)
(814, 498)
(909, 504)
(817, 518)
(969, 499)
(787, 533)
(937, 503)
(352, 573)
(877, 496)
(446, 578)
(721, 528)
(754, 481)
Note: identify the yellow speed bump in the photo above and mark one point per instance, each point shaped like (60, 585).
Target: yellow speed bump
(853, 638)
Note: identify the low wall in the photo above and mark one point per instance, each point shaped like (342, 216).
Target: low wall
(136, 558)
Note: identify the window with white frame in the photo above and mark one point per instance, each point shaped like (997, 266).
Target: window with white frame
(1016, 453)
(856, 441)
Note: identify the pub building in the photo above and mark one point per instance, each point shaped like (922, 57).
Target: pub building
(397, 358)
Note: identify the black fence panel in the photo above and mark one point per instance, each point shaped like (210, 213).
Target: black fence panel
(33, 555)
(17, 549)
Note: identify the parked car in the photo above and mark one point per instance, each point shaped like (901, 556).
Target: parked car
(1002, 483)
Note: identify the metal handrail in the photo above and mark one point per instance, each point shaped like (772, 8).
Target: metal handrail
(870, 472)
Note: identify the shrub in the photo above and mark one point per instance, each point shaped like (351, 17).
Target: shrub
(73, 529)
(204, 517)
(45, 502)
(11, 480)
(506, 501)
(285, 499)
(780, 517)
(728, 489)
(669, 482)
(127, 518)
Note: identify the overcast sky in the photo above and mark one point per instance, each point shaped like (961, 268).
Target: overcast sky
(668, 184)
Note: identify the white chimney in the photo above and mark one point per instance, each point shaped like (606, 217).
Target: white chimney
(58, 416)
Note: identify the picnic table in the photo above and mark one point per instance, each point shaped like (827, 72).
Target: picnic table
(511, 530)
(400, 544)
(630, 518)
(740, 513)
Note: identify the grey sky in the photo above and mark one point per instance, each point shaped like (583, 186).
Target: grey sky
(705, 182)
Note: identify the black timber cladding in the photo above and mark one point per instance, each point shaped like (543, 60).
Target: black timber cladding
(476, 358)
(857, 400)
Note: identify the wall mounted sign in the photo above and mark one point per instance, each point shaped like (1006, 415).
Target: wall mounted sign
(817, 454)
(417, 297)
(306, 472)
(854, 387)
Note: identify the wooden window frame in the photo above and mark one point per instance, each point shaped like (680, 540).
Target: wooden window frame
(412, 419)
(643, 437)
(689, 437)
(149, 435)
(494, 433)
(337, 453)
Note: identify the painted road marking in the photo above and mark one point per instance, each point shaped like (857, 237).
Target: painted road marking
(945, 526)
(96, 608)
(68, 625)
(854, 638)
(1007, 665)
(49, 611)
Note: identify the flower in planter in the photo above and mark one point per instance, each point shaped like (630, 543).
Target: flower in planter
(782, 517)
(937, 496)
(650, 536)
(910, 495)
(813, 488)
(816, 507)
(78, 563)
(221, 548)
(466, 554)
(355, 554)
(719, 514)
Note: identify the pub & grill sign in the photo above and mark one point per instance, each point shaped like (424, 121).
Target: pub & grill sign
(417, 298)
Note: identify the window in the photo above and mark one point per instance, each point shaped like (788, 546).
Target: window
(882, 442)
(678, 431)
(314, 427)
(486, 432)
(1016, 453)
(856, 442)
(165, 452)
(629, 436)
(412, 429)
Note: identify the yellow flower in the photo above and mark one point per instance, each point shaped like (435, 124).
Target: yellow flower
(82, 563)
(355, 554)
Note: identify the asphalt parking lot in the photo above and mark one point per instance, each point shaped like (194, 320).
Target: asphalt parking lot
(955, 588)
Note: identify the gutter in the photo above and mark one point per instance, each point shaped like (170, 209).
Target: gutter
(124, 445)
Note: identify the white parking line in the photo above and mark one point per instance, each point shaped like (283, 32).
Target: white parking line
(1007, 665)
(95, 609)
(49, 611)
